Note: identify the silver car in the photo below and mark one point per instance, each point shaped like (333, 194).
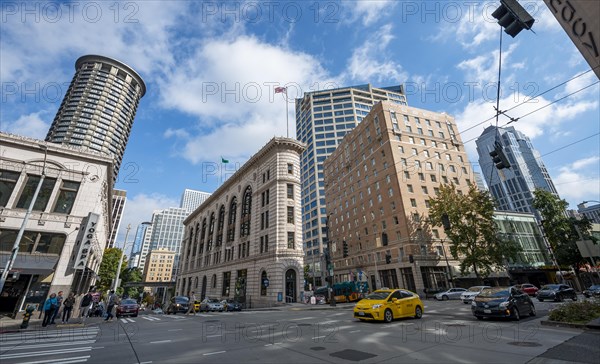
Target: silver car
(211, 304)
(451, 294)
(467, 297)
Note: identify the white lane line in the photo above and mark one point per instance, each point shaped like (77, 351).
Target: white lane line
(303, 318)
(130, 320)
(319, 337)
(160, 342)
(50, 345)
(352, 332)
(215, 352)
(214, 335)
(150, 318)
(174, 330)
(47, 352)
(76, 359)
(123, 320)
(145, 362)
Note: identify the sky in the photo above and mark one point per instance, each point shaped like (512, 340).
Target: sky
(211, 67)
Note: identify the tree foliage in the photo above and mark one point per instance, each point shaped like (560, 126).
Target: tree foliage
(561, 230)
(473, 232)
(132, 275)
(108, 268)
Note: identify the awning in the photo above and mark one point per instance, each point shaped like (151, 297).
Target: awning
(31, 263)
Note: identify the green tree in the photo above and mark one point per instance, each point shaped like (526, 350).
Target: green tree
(307, 277)
(108, 268)
(473, 232)
(131, 275)
(561, 230)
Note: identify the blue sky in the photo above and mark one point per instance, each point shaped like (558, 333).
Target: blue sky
(210, 70)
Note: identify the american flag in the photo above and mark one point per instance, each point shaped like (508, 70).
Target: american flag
(280, 90)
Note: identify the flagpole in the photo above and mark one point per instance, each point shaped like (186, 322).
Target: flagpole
(287, 114)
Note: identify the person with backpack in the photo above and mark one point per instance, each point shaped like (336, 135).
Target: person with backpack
(50, 306)
(68, 308)
(84, 306)
(111, 302)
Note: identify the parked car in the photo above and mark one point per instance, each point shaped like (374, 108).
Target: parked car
(231, 305)
(211, 304)
(451, 294)
(528, 288)
(556, 292)
(127, 307)
(592, 291)
(388, 304)
(507, 302)
(467, 297)
(178, 304)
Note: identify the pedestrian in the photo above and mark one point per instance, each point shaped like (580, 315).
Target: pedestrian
(68, 307)
(192, 304)
(59, 300)
(50, 306)
(84, 306)
(110, 304)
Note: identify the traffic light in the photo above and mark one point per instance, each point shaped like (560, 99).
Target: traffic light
(411, 259)
(327, 260)
(388, 258)
(513, 17)
(498, 157)
(345, 249)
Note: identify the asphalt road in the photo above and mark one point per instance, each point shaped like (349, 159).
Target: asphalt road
(447, 333)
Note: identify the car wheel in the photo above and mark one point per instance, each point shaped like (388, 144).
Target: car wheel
(445, 298)
(560, 298)
(388, 316)
(532, 311)
(516, 314)
(136, 315)
(541, 300)
(418, 312)
(479, 317)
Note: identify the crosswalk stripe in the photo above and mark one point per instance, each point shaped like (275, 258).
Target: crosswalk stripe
(50, 345)
(150, 318)
(47, 352)
(76, 359)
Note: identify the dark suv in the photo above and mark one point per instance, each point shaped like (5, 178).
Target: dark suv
(178, 304)
(556, 292)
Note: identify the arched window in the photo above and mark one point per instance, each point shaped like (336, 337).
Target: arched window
(263, 280)
(220, 224)
(202, 236)
(211, 230)
(231, 220)
(214, 281)
(195, 239)
(246, 212)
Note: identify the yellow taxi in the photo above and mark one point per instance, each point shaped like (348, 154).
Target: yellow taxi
(388, 304)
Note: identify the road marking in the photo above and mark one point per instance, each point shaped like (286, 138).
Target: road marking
(214, 335)
(303, 318)
(319, 337)
(145, 362)
(47, 352)
(174, 330)
(76, 359)
(50, 345)
(352, 332)
(150, 318)
(215, 352)
(160, 342)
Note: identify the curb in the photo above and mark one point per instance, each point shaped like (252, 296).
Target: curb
(564, 324)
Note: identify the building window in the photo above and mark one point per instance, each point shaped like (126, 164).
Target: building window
(290, 168)
(246, 212)
(290, 214)
(214, 281)
(263, 288)
(231, 220)
(290, 240)
(43, 196)
(8, 180)
(226, 284)
(290, 191)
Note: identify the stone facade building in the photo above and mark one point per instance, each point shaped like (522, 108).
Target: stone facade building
(159, 266)
(245, 240)
(378, 184)
(67, 231)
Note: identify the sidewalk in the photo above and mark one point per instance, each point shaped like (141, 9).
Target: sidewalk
(9, 325)
(304, 307)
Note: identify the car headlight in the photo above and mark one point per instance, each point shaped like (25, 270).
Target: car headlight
(474, 304)
(376, 306)
(503, 305)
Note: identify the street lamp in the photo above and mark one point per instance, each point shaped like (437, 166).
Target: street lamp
(15, 248)
(116, 283)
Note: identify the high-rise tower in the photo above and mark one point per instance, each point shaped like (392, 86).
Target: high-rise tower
(99, 107)
(322, 120)
(513, 187)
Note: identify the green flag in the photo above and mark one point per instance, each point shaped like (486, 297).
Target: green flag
(223, 160)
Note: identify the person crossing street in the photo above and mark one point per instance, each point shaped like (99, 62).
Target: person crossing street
(111, 302)
(192, 304)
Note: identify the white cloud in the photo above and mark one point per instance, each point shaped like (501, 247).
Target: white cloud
(369, 63)
(579, 180)
(139, 208)
(368, 12)
(31, 125)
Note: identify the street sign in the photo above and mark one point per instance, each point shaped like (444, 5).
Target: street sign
(265, 282)
(85, 241)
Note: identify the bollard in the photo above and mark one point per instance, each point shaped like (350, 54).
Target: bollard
(27, 316)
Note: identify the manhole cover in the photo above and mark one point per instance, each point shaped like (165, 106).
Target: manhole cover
(353, 355)
(527, 344)
(317, 348)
